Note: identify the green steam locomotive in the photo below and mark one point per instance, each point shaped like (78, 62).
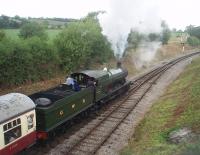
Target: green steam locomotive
(58, 105)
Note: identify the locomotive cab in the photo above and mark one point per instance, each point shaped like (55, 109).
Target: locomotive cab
(17, 123)
(83, 79)
(106, 81)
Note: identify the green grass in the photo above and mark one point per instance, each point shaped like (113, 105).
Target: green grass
(13, 33)
(178, 107)
(176, 37)
(52, 33)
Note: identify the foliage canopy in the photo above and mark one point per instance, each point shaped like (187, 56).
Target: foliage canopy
(193, 31)
(193, 41)
(82, 43)
(166, 33)
(32, 29)
(33, 57)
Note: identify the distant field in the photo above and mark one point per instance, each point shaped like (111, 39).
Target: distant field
(53, 33)
(13, 33)
(176, 37)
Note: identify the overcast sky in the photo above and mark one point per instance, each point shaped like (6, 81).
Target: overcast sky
(177, 13)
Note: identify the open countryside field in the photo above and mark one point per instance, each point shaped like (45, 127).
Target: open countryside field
(13, 33)
(179, 107)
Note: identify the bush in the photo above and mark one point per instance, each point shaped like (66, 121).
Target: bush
(134, 39)
(14, 59)
(33, 58)
(166, 34)
(2, 35)
(44, 58)
(193, 41)
(32, 29)
(193, 31)
(26, 60)
(153, 37)
(81, 43)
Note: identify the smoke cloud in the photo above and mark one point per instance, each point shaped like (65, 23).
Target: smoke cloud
(145, 54)
(126, 15)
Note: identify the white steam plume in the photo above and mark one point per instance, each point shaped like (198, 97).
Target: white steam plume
(124, 15)
(145, 54)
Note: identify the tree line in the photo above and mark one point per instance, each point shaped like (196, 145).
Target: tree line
(194, 32)
(16, 22)
(33, 57)
(7, 22)
(135, 38)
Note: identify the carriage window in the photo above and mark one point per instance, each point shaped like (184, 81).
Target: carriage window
(14, 123)
(18, 121)
(5, 127)
(12, 134)
(9, 125)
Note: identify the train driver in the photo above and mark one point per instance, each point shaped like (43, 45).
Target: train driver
(72, 82)
(69, 81)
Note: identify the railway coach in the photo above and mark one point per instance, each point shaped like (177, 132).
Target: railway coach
(17, 123)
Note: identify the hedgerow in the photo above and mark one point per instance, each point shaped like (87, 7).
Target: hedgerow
(35, 58)
(26, 60)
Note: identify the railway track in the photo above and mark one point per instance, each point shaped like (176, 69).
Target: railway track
(92, 136)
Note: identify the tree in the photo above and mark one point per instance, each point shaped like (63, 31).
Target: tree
(11, 22)
(166, 33)
(2, 35)
(134, 39)
(31, 59)
(153, 36)
(165, 36)
(193, 31)
(81, 43)
(189, 29)
(32, 29)
(4, 21)
(193, 41)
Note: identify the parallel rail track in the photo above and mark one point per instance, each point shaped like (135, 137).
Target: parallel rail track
(93, 137)
(98, 134)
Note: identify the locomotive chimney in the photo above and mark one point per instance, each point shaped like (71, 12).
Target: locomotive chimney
(119, 64)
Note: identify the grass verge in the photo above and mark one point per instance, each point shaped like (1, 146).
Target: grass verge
(179, 107)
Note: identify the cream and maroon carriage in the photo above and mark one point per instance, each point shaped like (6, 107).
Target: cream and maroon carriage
(17, 123)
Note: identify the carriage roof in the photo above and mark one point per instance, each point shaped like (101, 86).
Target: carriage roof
(14, 104)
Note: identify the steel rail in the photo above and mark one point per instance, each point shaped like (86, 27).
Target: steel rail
(138, 83)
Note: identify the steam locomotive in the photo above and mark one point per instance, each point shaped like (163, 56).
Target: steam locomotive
(26, 119)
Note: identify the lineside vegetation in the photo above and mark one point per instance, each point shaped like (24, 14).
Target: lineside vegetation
(32, 57)
(179, 107)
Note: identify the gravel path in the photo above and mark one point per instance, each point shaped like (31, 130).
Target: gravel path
(121, 136)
